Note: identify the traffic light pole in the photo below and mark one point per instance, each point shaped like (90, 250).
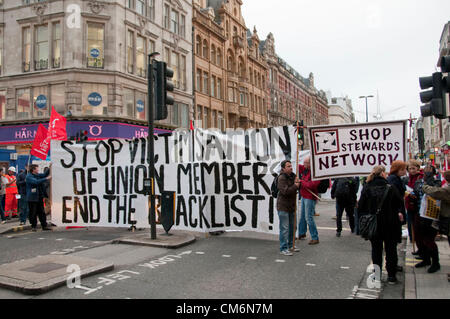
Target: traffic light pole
(151, 144)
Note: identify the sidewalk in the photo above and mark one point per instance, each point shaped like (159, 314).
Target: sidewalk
(12, 226)
(421, 285)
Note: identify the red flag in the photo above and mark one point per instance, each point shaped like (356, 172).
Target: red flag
(41, 143)
(57, 126)
(191, 126)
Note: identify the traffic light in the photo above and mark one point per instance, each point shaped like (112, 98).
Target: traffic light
(434, 98)
(421, 139)
(445, 68)
(163, 86)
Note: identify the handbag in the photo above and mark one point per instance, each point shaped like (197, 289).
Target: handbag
(368, 224)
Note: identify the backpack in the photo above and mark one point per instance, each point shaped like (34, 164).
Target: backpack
(323, 186)
(274, 188)
(343, 189)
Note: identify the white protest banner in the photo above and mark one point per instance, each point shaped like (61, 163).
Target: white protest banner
(353, 150)
(221, 180)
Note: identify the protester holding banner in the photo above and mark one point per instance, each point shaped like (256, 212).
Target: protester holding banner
(412, 203)
(288, 186)
(388, 222)
(2, 196)
(35, 196)
(22, 188)
(442, 194)
(345, 191)
(426, 229)
(309, 194)
(11, 194)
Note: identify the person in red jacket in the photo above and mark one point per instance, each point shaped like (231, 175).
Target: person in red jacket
(309, 194)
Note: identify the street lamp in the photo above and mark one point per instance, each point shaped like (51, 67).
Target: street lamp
(367, 108)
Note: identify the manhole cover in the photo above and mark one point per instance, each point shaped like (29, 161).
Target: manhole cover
(44, 268)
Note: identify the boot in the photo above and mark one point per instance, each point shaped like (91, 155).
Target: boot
(425, 262)
(435, 266)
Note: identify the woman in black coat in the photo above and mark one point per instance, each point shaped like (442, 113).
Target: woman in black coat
(388, 221)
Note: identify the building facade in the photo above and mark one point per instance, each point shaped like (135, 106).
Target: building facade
(230, 71)
(292, 97)
(88, 59)
(340, 110)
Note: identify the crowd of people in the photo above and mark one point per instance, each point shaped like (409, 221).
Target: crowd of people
(396, 195)
(23, 196)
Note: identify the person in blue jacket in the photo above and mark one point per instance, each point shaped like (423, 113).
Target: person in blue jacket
(35, 196)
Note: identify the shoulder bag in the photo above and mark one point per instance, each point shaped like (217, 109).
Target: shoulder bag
(368, 224)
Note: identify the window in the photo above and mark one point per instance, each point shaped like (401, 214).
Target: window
(183, 26)
(175, 22)
(58, 98)
(175, 65)
(199, 80)
(23, 103)
(3, 105)
(166, 16)
(140, 56)
(183, 73)
(242, 99)
(219, 88)
(213, 119)
(140, 7)
(219, 57)
(198, 47)
(205, 83)
(220, 121)
(213, 54)
(130, 51)
(205, 118)
(151, 46)
(41, 48)
(94, 99)
(151, 10)
(95, 45)
(205, 49)
(128, 102)
(213, 86)
(56, 63)
(175, 118)
(40, 102)
(184, 110)
(130, 4)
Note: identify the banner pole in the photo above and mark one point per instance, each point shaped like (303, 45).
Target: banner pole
(296, 175)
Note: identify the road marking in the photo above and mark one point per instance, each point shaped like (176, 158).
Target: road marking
(59, 239)
(226, 256)
(41, 238)
(311, 265)
(332, 228)
(344, 267)
(280, 261)
(199, 252)
(252, 258)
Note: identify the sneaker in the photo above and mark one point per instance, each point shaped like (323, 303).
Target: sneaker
(434, 268)
(423, 263)
(294, 250)
(338, 234)
(392, 280)
(3, 221)
(286, 253)
(313, 242)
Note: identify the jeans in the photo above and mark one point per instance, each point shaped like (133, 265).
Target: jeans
(286, 230)
(23, 208)
(349, 209)
(410, 219)
(2, 207)
(307, 217)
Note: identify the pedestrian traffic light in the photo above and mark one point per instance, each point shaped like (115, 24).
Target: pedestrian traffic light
(434, 98)
(162, 87)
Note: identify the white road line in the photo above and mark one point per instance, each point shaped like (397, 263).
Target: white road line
(344, 267)
(252, 258)
(41, 238)
(280, 261)
(199, 252)
(59, 239)
(311, 265)
(226, 256)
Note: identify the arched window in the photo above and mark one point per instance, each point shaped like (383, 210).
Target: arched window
(219, 57)
(241, 70)
(230, 62)
(205, 49)
(213, 53)
(198, 48)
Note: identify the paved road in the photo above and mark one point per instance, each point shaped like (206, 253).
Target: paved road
(232, 265)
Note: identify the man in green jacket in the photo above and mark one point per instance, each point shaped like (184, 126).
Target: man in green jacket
(442, 194)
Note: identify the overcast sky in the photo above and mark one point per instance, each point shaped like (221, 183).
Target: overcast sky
(357, 47)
